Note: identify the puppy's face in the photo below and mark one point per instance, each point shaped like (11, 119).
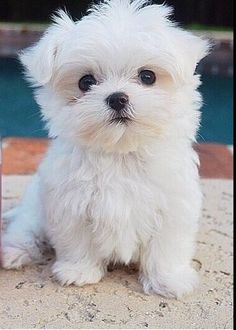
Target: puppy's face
(117, 79)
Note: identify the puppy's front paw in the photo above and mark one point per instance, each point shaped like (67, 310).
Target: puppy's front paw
(68, 273)
(171, 285)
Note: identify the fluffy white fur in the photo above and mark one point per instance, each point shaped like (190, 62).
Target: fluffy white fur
(114, 192)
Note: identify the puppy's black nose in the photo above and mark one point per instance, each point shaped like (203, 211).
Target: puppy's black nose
(117, 101)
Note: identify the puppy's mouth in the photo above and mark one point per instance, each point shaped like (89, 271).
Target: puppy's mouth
(120, 120)
(125, 116)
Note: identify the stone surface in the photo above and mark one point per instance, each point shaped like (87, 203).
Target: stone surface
(15, 37)
(31, 298)
(22, 156)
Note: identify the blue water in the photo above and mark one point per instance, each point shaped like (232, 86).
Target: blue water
(19, 114)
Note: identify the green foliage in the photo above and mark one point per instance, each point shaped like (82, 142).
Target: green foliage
(202, 27)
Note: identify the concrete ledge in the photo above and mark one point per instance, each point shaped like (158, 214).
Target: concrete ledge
(31, 298)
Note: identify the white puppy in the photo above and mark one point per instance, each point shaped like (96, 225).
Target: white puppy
(120, 180)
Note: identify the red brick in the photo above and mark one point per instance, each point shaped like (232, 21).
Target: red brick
(22, 156)
(216, 161)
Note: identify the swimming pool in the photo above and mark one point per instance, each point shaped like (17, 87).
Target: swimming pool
(19, 114)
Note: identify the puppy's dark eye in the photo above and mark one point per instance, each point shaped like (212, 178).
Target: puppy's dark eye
(86, 82)
(147, 77)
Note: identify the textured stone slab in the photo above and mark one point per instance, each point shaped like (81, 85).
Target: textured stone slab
(32, 299)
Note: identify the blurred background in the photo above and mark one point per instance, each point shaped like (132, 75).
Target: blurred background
(23, 22)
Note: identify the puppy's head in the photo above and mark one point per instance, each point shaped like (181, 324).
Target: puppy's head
(116, 80)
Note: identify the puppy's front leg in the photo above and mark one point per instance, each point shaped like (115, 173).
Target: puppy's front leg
(166, 259)
(77, 260)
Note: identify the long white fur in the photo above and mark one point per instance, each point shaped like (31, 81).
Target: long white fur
(114, 193)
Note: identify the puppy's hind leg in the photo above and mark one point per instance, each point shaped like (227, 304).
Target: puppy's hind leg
(23, 237)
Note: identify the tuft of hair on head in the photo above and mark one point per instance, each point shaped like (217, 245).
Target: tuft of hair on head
(62, 18)
(132, 5)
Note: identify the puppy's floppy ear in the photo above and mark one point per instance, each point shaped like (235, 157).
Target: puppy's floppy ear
(198, 48)
(194, 48)
(39, 59)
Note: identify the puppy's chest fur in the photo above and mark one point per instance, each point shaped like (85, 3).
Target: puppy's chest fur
(116, 199)
(123, 211)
